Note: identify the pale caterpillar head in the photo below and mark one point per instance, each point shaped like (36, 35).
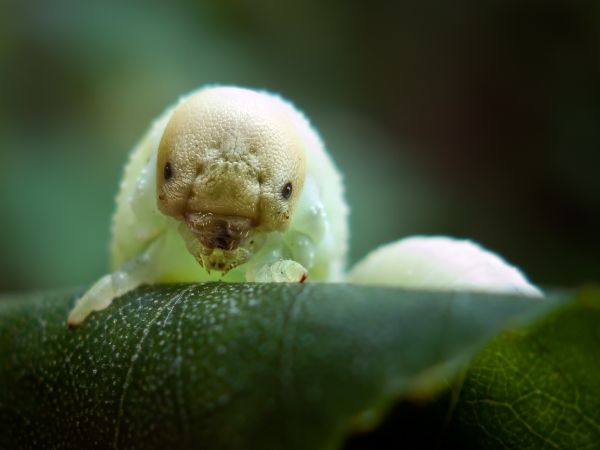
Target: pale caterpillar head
(230, 166)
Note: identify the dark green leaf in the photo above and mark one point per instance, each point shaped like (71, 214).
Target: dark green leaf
(537, 388)
(224, 366)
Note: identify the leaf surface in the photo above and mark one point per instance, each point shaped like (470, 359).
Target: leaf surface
(537, 387)
(232, 366)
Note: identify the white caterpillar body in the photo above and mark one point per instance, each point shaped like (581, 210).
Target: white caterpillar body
(440, 263)
(234, 155)
(316, 236)
(235, 185)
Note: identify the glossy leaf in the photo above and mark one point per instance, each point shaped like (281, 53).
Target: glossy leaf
(228, 366)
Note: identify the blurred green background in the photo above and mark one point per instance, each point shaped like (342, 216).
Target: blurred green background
(476, 119)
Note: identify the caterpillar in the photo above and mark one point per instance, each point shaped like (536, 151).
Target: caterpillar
(234, 184)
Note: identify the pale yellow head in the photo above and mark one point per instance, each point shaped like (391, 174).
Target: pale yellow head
(230, 164)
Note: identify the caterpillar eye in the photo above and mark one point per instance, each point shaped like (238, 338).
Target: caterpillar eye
(167, 171)
(286, 192)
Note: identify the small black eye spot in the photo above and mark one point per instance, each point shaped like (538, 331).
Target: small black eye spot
(167, 171)
(286, 192)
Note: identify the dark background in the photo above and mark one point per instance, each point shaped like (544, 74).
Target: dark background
(476, 119)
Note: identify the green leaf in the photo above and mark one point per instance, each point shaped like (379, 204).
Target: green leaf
(231, 366)
(537, 387)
